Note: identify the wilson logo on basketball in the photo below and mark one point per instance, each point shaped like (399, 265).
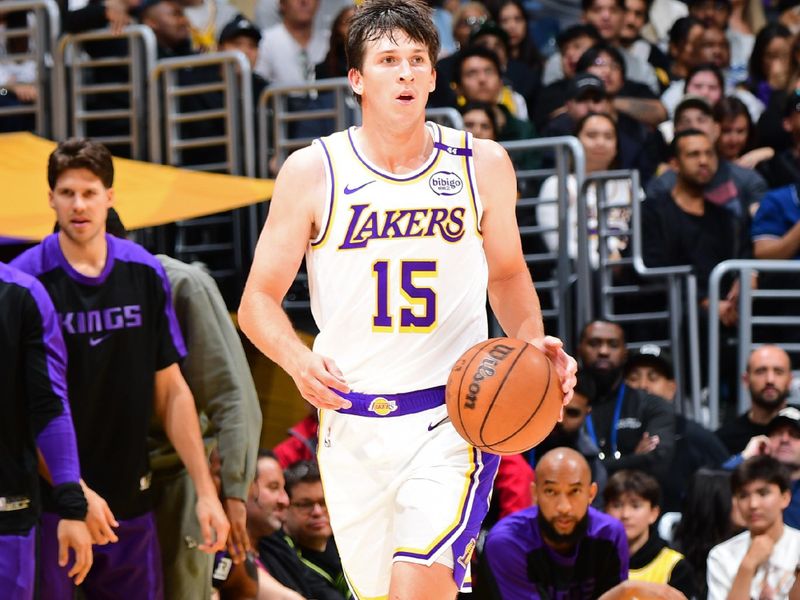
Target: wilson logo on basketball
(485, 369)
(445, 183)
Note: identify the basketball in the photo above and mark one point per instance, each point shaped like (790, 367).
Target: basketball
(504, 396)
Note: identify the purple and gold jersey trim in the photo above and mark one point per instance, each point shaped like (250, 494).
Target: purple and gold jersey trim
(473, 191)
(431, 162)
(392, 405)
(461, 535)
(331, 204)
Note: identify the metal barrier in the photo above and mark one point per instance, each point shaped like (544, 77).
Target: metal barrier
(748, 320)
(275, 140)
(555, 273)
(446, 116)
(215, 91)
(86, 77)
(42, 34)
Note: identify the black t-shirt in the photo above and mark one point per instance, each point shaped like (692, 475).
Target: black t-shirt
(120, 329)
(34, 387)
(738, 432)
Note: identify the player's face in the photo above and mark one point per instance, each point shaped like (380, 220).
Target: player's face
(397, 75)
(267, 500)
(480, 81)
(696, 159)
(761, 505)
(307, 519)
(81, 203)
(785, 445)
(636, 514)
(602, 347)
(563, 497)
(606, 16)
(732, 137)
(768, 377)
(653, 381)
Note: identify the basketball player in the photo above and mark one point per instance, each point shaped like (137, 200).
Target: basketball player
(35, 413)
(403, 224)
(123, 344)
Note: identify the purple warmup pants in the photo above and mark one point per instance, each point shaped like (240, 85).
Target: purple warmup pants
(128, 569)
(17, 565)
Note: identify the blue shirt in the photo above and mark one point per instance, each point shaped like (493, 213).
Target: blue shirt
(791, 515)
(778, 212)
(524, 567)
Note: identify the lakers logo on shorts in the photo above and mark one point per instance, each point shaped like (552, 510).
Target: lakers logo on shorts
(382, 406)
(463, 560)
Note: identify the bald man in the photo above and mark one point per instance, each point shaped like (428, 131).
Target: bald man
(561, 548)
(768, 377)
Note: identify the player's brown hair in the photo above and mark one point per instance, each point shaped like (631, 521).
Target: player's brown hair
(80, 153)
(374, 19)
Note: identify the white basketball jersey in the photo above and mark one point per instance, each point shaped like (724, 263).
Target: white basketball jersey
(398, 274)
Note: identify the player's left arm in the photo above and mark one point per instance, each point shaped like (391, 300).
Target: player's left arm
(511, 293)
(175, 407)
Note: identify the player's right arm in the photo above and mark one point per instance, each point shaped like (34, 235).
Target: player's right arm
(294, 216)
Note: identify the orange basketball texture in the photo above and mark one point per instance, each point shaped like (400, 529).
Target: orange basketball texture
(504, 396)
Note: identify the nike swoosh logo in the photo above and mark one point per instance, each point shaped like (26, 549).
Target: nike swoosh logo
(348, 190)
(433, 426)
(95, 341)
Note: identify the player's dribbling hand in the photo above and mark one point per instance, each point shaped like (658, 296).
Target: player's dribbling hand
(566, 366)
(238, 540)
(213, 524)
(316, 376)
(75, 535)
(99, 518)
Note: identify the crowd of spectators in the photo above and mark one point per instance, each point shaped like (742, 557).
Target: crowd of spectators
(627, 496)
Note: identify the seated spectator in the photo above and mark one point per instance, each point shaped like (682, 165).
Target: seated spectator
(736, 141)
(480, 120)
(684, 39)
(634, 20)
(561, 547)
(761, 562)
(267, 503)
(746, 19)
(572, 43)
(207, 18)
(308, 530)
(597, 133)
(570, 432)
(335, 63)
(784, 168)
(782, 442)
(240, 34)
(606, 16)
(662, 14)
(770, 129)
(633, 429)
(769, 64)
(776, 225)
(736, 188)
(18, 80)
(512, 16)
(630, 97)
(768, 376)
(633, 497)
(650, 369)
(290, 50)
(707, 518)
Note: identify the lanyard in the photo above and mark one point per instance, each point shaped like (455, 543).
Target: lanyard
(617, 411)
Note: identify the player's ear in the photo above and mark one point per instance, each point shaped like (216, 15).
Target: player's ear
(50, 198)
(592, 492)
(110, 192)
(432, 86)
(356, 81)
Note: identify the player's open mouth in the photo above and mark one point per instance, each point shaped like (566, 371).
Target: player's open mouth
(406, 97)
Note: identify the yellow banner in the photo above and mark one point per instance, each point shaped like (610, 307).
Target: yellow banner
(146, 194)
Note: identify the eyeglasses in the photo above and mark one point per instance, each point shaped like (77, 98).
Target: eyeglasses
(307, 506)
(472, 21)
(601, 62)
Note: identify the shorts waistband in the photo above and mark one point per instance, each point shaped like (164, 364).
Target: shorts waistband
(392, 405)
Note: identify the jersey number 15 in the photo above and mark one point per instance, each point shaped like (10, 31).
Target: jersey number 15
(419, 316)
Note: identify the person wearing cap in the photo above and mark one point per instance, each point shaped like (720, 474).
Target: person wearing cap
(242, 35)
(782, 442)
(649, 368)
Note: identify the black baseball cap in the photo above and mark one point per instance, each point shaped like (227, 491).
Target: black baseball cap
(653, 356)
(239, 26)
(789, 415)
(490, 28)
(693, 101)
(584, 84)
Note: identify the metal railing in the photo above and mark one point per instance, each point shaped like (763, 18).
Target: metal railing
(124, 114)
(749, 319)
(213, 91)
(277, 117)
(41, 33)
(680, 317)
(446, 116)
(556, 275)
